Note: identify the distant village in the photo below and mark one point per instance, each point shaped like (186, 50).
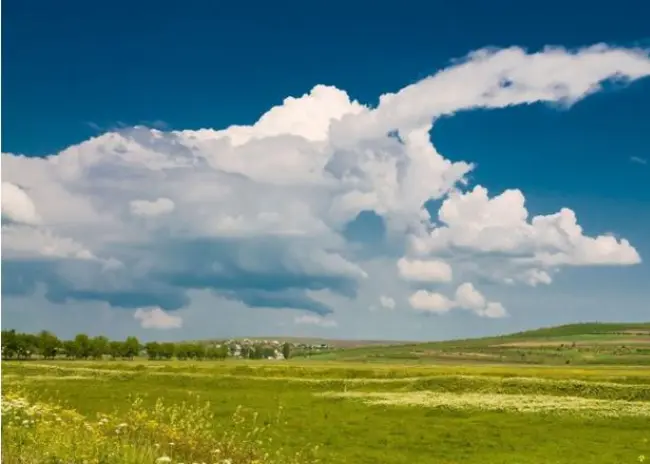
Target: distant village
(270, 349)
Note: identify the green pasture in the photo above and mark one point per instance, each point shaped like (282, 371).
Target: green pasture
(382, 413)
(575, 344)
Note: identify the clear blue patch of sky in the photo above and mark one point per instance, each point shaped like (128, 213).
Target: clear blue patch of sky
(70, 65)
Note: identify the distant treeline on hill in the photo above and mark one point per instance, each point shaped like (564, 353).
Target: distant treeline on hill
(16, 345)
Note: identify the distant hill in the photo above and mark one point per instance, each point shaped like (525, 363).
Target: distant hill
(584, 343)
(587, 328)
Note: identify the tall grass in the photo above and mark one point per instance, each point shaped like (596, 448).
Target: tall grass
(42, 432)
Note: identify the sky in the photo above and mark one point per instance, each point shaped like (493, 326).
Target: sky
(416, 172)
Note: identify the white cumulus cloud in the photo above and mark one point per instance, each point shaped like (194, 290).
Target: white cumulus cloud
(433, 270)
(156, 318)
(493, 310)
(258, 213)
(474, 222)
(469, 298)
(430, 302)
(466, 297)
(17, 206)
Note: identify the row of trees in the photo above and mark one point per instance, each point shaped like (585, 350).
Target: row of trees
(184, 351)
(16, 345)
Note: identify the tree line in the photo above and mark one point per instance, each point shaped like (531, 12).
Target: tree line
(17, 345)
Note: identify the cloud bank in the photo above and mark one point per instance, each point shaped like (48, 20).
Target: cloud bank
(139, 217)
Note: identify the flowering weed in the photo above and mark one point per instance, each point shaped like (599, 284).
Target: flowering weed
(36, 432)
(502, 402)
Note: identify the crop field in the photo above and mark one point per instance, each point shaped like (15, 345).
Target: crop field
(301, 411)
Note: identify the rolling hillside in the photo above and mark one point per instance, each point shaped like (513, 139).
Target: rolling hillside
(586, 343)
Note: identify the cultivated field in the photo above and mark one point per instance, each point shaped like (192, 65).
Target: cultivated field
(574, 344)
(279, 411)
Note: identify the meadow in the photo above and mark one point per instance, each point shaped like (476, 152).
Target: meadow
(305, 411)
(595, 344)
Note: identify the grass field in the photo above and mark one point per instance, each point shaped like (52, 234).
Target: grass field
(569, 394)
(354, 412)
(574, 344)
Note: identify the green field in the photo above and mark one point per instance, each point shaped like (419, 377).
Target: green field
(574, 344)
(378, 414)
(337, 411)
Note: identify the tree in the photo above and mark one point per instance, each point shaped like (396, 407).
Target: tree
(190, 351)
(258, 352)
(286, 350)
(198, 351)
(115, 349)
(212, 352)
(26, 345)
(217, 352)
(181, 351)
(167, 350)
(70, 349)
(48, 344)
(131, 347)
(82, 342)
(99, 347)
(9, 344)
(154, 350)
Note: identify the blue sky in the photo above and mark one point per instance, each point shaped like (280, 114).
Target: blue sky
(74, 71)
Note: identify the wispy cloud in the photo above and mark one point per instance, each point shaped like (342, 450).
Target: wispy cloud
(308, 319)
(638, 160)
(387, 302)
(94, 126)
(155, 124)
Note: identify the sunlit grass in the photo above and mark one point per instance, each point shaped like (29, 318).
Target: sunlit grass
(38, 432)
(554, 425)
(328, 370)
(506, 403)
(621, 388)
